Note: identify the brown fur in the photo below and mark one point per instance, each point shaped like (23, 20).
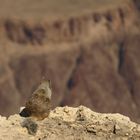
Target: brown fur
(38, 106)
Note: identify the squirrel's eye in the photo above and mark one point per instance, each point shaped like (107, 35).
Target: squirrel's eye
(42, 91)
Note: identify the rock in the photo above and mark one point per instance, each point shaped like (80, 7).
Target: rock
(91, 57)
(31, 126)
(62, 123)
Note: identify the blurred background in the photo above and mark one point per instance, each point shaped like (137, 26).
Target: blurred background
(89, 49)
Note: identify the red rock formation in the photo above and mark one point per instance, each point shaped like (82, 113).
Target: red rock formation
(92, 59)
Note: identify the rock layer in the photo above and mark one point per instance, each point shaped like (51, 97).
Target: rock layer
(92, 58)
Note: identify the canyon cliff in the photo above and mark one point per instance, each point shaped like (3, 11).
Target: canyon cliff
(90, 55)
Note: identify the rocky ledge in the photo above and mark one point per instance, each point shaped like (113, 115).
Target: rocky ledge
(69, 123)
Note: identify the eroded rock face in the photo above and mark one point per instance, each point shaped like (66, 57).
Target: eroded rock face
(56, 66)
(137, 4)
(9, 98)
(130, 66)
(98, 76)
(91, 59)
(71, 123)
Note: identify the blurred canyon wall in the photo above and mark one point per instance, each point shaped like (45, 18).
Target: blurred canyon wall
(92, 59)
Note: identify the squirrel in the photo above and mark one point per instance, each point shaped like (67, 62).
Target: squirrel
(39, 104)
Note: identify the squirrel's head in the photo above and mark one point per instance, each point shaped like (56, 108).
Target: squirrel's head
(45, 86)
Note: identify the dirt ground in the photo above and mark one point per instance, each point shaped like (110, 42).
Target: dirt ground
(69, 123)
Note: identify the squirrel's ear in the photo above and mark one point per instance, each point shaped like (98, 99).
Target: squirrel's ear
(43, 78)
(50, 84)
